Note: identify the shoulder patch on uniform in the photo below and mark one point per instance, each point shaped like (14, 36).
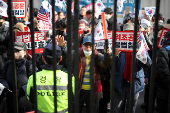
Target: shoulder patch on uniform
(168, 47)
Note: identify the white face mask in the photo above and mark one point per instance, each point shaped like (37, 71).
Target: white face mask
(107, 17)
(87, 53)
(19, 55)
(161, 21)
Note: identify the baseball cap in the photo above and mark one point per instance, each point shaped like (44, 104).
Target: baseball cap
(48, 51)
(87, 39)
(20, 46)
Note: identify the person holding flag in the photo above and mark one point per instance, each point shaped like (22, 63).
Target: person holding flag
(123, 77)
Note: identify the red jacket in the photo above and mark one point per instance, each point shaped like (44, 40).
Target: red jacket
(99, 62)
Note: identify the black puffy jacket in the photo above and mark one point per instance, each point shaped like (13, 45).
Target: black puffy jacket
(163, 66)
(4, 32)
(23, 71)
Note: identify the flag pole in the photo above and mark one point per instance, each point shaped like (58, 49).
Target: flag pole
(105, 30)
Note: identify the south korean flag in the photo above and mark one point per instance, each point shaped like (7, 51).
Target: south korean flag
(142, 54)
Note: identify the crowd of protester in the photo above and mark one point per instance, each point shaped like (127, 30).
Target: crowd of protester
(102, 68)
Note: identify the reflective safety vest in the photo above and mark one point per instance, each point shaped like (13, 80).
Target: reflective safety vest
(45, 90)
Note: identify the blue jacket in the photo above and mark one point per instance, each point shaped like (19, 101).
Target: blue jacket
(142, 72)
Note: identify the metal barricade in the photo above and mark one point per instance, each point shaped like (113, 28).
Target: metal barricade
(76, 56)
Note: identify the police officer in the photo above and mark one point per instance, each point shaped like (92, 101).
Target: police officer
(45, 83)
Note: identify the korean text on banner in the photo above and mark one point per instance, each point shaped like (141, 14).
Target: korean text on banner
(161, 39)
(124, 40)
(26, 38)
(19, 9)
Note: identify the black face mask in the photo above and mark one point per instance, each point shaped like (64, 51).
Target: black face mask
(85, 32)
(1, 24)
(58, 32)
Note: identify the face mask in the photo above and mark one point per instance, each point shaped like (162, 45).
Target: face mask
(58, 32)
(19, 55)
(87, 53)
(107, 16)
(85, 32)
(0, 24)
(161, 21)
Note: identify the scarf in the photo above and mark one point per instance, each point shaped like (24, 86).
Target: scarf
(128, 67)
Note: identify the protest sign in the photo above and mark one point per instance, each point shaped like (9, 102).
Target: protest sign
(44, 26)
(142, 14)
(161, 39)
(124, 40)
(19, 9)
(26, 38)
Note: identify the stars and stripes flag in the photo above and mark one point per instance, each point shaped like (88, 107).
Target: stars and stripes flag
(142, 38)
(43, 14)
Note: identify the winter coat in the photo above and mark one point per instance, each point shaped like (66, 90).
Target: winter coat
(110, 24)
(3, 46)
(162, 66)
(102, 61)
(142, 71)
(23, 71)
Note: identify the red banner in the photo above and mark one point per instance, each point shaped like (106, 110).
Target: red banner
(19, 9)
(26, 38)
(124, 40)
(161, 39)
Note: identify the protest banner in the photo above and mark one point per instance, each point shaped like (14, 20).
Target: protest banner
(26, 38)
(161, 39)
(124, 40)
(44, 26)
(19, 9)
(107, 3)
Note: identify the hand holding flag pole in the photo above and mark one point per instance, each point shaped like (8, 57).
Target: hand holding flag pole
(105, 30)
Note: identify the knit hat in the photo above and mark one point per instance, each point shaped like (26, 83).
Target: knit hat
(20, 46)
(128, 27)
(19, 26)
(83, 21)
(145, 23)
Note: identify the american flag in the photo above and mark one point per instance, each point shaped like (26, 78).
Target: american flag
(142, 38)
(43, 14)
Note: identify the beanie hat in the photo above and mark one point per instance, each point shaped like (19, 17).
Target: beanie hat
(128, 27)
